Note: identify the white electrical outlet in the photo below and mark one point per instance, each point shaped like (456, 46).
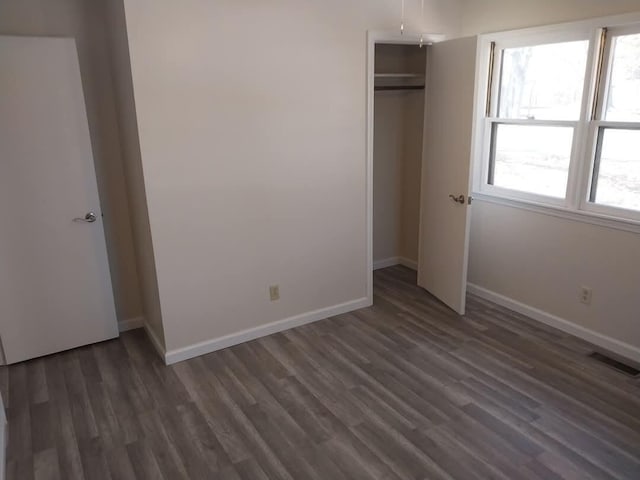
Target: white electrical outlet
(585, 295)
(274, 292)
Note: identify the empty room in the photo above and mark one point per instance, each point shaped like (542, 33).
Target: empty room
(355, 239)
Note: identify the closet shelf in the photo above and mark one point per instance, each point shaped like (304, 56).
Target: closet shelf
(398, 87)
(398, 75)
(399, 81)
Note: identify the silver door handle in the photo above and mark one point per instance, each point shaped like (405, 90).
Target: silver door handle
(459, 199)
(88, 218)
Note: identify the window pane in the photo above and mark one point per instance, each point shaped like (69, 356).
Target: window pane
(618, 177)
(532, 159)
(544, 82)
(623, 103)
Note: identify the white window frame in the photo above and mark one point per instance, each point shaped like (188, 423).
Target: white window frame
(599, 122)
(575, 205)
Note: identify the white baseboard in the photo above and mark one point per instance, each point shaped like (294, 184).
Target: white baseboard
(412, 264)
(611, 344)
(392, 261)
(130, 324)
(386, 262)
(202, 348)
(3, 440)
(155, 341)
(140, 322)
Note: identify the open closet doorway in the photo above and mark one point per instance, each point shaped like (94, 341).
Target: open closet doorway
(419, 130)
(399, 88)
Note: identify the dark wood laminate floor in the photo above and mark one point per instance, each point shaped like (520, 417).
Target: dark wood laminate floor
(402, 390)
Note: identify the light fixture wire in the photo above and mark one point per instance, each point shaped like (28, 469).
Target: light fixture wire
(402, 18)
(422, 34)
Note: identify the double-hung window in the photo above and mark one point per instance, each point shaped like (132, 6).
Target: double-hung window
(615, 133)
(560, 119)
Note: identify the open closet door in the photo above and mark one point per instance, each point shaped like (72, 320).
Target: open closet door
(446, 171)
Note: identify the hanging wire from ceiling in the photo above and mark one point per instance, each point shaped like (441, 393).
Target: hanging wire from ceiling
(402, 18)
(422, 20)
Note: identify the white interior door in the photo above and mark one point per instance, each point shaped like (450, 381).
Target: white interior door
(55, 286)
(444, 222)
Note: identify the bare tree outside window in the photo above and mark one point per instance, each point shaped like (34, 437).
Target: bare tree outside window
(543, 82)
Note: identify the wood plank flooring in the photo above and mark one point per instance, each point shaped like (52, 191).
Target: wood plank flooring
(402, 390)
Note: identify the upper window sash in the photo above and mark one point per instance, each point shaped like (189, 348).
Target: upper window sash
(513, 40)
(606, 73)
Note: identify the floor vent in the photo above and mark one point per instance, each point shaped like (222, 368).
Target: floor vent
(621, 367)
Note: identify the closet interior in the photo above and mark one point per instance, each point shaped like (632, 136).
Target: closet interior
(399, 104)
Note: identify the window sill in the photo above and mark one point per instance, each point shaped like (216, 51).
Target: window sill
(582, 216)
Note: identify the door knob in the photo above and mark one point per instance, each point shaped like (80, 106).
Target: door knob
(459, 199)
(88, 218)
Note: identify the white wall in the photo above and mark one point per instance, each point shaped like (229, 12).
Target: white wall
(397, 159)
(130, 150)
(483, 16)
(412, 174)
(543, 261)
(252, 121)
(83, 21)
(388, 155)
(539, 260)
